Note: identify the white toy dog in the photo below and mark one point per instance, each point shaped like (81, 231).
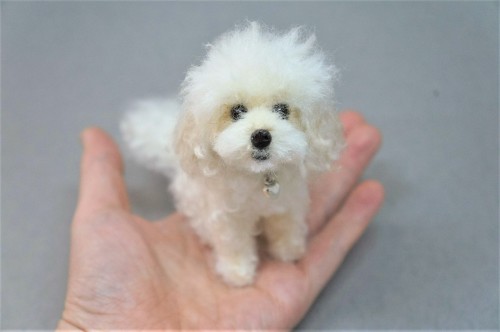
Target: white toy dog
(256, 122)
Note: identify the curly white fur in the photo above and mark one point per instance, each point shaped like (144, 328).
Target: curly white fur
(217, 180)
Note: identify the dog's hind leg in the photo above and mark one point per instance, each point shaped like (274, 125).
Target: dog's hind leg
(286, 236)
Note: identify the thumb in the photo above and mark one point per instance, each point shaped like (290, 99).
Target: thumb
(101, 181)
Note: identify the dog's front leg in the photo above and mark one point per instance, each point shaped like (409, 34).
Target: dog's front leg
(286, 236)
(234, 244)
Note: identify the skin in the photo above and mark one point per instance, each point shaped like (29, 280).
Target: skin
(126, 272)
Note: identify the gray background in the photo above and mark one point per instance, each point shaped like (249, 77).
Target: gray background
(425, 73)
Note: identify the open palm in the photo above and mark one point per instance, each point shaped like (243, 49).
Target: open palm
(126, 272)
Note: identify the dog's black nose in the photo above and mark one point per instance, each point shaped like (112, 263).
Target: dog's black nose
(261, 138)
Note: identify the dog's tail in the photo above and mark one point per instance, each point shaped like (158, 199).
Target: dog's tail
(148, 130)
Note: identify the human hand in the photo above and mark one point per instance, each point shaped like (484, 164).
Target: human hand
(129, 273)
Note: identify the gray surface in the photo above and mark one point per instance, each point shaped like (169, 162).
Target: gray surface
(425, 73)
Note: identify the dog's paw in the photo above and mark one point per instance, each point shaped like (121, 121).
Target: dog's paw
(237, 272)
(288, 250)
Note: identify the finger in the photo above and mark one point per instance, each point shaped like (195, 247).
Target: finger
(330, 189)
(350, 119)
(101, 181)
(329, 247)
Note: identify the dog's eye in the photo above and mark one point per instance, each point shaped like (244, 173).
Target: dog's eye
(237, 111)
(282, 109)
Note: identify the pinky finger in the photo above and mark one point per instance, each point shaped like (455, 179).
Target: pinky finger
(329, 247)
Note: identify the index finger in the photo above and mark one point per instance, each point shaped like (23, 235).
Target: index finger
(101, 180)
(331, 188)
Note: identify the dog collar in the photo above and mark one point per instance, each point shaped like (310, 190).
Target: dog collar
(271, 186)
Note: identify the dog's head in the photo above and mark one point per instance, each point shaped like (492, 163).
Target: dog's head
(258, 102)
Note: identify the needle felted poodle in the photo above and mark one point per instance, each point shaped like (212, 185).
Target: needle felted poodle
(256, 122)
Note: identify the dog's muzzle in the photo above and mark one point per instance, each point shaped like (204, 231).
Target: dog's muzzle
(260, 139)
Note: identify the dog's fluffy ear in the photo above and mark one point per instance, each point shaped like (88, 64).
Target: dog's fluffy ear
(192, 146)
(325, 138)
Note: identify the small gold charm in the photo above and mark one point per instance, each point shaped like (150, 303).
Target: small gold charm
(271, 185)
